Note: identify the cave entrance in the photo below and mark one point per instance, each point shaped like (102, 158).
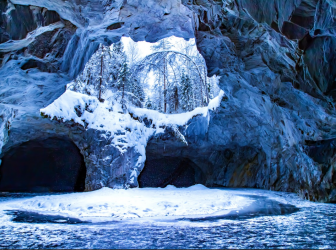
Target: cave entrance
(177, 171)
(169, 76)
(49, 165)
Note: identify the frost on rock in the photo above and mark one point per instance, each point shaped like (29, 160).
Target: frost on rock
(128, 132)
(6, 116)
(20, 44)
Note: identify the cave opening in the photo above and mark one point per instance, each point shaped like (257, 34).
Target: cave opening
(169, 76)
(43, 165)
(167, 170)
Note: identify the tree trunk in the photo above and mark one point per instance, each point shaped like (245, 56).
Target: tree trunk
(201, 88)
(164, 81)
(123, 92)
(101, 78)
(176, 99)
(206, 85)
(164, 86)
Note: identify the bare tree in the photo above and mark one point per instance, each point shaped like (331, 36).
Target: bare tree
(133, 53)
(154, 60)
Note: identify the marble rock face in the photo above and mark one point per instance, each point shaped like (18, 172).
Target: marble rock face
(275, 127)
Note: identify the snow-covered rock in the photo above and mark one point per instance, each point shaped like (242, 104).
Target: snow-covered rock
(6, 116)
(115, 140)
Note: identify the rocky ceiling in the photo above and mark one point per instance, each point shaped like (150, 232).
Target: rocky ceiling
(277, 65)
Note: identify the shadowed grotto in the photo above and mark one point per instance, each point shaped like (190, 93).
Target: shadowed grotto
(160, 172)
(49, 165)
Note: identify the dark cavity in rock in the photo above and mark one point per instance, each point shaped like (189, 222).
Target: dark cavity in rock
(49, 165)
(177, 171)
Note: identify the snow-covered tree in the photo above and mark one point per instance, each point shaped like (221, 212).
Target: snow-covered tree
(168, 77)
(173, 75)
(136, 88)
(174, 99)
(108, 69)
(186, 93)
(149, 104)
(133, 53)
(163, 45)
(123, 79)
(94, 80)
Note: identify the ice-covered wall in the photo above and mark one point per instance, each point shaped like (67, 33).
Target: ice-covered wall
(278, 74)
(44, 44)
(276, 60)
(6, 116)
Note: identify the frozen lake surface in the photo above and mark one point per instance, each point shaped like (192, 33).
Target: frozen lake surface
(224, 218)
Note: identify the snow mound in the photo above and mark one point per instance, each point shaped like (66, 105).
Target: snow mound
(137, 203)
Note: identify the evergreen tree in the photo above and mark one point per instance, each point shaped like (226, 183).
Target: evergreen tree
(186, 93)
(118, 59)
(107, 69)
(175, 98)
(135, 88)
(123, 80)
(95, 78)
(149, 104)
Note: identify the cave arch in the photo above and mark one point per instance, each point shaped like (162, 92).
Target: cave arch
(166, 170)
(43, 165)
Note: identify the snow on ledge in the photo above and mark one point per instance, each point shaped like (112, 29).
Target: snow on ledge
(90, 113)
(160, 119)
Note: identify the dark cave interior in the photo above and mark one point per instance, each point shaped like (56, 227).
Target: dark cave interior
(177, 171)
(49, 165)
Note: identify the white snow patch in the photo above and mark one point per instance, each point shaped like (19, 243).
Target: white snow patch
(137, 203)
(160, 119)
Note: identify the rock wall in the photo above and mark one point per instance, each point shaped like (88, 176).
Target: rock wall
(276, 62)
(273, 65)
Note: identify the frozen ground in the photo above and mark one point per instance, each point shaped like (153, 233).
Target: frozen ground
(241, 218)
(112, 204)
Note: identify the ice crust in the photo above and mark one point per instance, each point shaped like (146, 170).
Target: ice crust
(137, 203)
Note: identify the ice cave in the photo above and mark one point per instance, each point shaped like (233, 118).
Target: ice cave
(167, 124)
(49, 165)
(165, 171)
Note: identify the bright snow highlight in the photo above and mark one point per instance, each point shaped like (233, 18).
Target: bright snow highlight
(137, 203)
